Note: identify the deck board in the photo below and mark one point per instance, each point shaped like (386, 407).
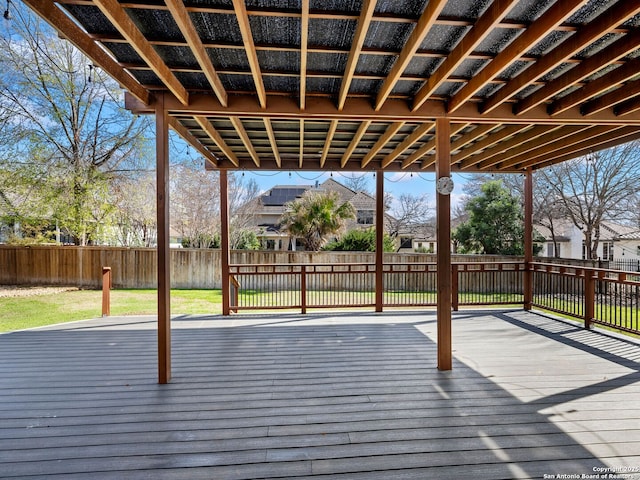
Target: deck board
(332, 395)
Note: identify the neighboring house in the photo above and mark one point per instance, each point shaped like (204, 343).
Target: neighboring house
(269, 207)
(617, 242)
(421, 239)
(267, 210)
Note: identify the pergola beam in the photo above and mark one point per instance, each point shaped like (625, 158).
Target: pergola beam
(244, 136)
(491, 140)
(250, 49)
(192, 140)
(204, 123)
(596, 87)
(272, 140)
(622, 94)
(430, 145)
(485, 158)
(182, 18)
(589, 66)
(364, 21)
(304, 41)
(540, 28)
(419, 132)
(121, 20)
(360, 109)
(391, 130)
(483, 27)
(585, 148)
(70, 30)
(589, 137)
(327, 143)
(602, 25)
(472, 136)
(412, 44)
(362, 129)
(513, 156)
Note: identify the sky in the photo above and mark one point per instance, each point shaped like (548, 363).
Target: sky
(395, 183)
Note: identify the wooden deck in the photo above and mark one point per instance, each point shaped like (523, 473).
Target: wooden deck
(330, 395)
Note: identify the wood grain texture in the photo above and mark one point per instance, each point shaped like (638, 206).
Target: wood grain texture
(341, 395)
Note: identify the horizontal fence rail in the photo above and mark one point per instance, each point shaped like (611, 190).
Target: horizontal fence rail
(296, 286)
(488, 283)
(602, 296)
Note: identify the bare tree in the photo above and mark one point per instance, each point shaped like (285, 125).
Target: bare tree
(195, 204)
(134, 219)
(241, 211)
(596, 187)
(64, 119)
(409, 214)
(357, 183)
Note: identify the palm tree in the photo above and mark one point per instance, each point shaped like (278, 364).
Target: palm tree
(315, 217)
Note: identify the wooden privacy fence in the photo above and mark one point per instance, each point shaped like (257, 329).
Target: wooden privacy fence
(190, 268)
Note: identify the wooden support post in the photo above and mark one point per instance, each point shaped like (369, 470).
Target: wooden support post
(106, 291)
(303, 288)
(164, 270)
(225, 259)
(379, 240)
(455, 298)
(589, 298)
(443, 236)
(528, 239)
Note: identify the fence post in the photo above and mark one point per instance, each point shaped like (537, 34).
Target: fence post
(303, 288)
(454, 288)
(234, 294)
(106, 291)
(589, 298)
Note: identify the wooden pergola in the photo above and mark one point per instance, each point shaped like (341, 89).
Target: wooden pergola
(375, 86)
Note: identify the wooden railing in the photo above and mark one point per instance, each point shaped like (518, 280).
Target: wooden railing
(302, 286)
(595, 295)
(607, 297)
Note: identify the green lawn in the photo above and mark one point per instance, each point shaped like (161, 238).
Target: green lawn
(26, 312)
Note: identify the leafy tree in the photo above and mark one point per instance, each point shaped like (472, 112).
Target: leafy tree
(66, 124)
(360, 240)
(247, 240)
(315, 217)
(495, 223)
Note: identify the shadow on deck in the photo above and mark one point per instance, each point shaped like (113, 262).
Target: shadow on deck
(321, 396)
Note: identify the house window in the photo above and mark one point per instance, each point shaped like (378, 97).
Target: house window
(552, 252)
(607, 250)
(638, 250)
(584, 251)
(405, 242)
(365, 217)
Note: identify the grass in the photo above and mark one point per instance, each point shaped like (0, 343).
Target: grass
(17, 313)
